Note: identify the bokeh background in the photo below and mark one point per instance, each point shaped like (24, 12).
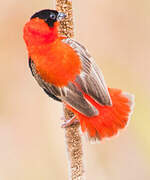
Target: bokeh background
(32, 145)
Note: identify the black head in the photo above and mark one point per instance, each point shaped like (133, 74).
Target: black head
(49, 16)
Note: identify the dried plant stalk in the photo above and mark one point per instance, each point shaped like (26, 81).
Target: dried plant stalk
(74, 149)
(72, 133)
(66, 25)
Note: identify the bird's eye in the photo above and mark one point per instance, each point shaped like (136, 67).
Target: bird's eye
(52, 16)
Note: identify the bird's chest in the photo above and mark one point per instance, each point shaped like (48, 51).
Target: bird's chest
(57, 63)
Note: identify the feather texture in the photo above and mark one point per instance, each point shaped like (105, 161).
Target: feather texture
(91, 80)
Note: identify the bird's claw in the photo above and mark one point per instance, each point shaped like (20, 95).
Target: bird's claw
(69, 122)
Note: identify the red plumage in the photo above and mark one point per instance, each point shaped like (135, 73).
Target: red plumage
(67, 73)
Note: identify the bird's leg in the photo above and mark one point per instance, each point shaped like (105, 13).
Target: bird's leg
(69, 122)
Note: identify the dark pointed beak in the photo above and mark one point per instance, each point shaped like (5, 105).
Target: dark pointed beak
(61, 16)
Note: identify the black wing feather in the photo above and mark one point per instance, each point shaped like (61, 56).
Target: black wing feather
(42, 83)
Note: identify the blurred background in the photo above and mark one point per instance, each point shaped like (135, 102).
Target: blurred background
(32, 146)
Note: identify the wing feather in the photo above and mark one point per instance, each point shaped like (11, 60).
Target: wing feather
(91, 79)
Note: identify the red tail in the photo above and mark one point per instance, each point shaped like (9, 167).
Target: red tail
(110, 118)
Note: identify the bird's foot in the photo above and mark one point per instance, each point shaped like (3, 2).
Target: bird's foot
(69, 122)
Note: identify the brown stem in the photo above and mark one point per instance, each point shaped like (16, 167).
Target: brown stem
(66, 26)
(72, 133)
(74, 149)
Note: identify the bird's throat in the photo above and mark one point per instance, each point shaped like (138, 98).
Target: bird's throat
(37, 32)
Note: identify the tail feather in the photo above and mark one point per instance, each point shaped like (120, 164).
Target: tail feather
(110, 118)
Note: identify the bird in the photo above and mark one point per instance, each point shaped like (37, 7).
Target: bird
(67, 73)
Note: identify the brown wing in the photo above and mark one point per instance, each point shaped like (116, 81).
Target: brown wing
(91, 79)
(69, 94)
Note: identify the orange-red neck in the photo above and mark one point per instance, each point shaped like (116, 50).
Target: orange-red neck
(37, 32)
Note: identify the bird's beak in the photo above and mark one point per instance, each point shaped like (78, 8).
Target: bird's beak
(61, 16)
